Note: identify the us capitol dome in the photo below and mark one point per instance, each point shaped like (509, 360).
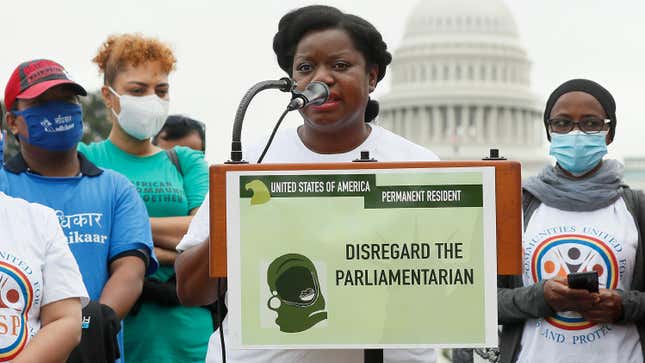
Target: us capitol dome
(460, 84)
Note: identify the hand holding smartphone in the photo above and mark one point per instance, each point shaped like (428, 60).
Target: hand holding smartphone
(583, 280)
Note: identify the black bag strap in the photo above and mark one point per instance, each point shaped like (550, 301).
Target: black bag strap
(172, 155)
(631, 201)
(529, 204)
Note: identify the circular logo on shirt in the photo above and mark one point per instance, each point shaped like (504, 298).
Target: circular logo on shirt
(16, 297)
(569, 253)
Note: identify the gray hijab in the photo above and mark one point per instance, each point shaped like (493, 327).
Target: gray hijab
(558, 190)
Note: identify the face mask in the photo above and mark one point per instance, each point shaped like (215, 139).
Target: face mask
(577, 152)
(141, 117)
(295, 293)
(54, 125)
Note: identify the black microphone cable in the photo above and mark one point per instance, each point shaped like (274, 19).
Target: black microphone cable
(220, 319)
(275, 129)
(316, 93)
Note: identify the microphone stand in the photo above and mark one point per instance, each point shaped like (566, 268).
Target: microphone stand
(373, 356)
(370, 355)
(283, 84)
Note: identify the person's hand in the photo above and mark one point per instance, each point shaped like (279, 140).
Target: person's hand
(561, 298)
(608, 309)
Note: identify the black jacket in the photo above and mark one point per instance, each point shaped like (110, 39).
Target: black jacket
(99, 339)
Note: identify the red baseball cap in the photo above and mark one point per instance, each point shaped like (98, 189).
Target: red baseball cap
(30, 79)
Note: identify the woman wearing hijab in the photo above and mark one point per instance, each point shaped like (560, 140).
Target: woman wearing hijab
(579, 217)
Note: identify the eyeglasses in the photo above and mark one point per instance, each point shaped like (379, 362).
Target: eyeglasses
(588, 125)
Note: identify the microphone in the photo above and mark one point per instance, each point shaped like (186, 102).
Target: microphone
(316, 93)
(283, 84)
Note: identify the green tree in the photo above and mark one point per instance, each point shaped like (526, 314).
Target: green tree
(96, 126)
(10, 145)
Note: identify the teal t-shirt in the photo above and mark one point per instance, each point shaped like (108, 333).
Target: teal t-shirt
(160, 333)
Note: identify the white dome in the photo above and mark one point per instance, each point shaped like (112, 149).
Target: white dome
(461, 16)
(461, 82)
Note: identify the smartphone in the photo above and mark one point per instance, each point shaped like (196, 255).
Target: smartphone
(583, 280)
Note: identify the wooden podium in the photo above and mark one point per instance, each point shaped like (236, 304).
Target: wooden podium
(507, 206)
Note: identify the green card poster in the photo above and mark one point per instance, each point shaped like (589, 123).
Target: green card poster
(362, 258)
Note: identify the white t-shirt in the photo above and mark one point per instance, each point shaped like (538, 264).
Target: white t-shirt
(36, 268)
(559, 242)
(287, 147)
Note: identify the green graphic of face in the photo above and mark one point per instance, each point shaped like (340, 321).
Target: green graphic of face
(261, 193)
(295, 293)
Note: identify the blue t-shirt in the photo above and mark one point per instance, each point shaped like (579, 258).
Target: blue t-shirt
(100, 212)
(102, 216)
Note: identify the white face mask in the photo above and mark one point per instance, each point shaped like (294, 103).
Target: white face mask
(141, 117)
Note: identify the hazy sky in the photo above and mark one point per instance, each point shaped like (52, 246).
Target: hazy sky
(224, 47)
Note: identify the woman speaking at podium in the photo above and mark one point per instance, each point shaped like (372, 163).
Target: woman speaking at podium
(580, 298)
(314, 43)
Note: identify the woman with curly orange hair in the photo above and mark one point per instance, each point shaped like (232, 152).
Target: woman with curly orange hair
(171, 183)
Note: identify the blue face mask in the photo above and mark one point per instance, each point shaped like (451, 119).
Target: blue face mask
(577, 152)
(54, 125)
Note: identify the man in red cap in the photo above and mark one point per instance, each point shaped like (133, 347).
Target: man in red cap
(104, 220)
(39, 83)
